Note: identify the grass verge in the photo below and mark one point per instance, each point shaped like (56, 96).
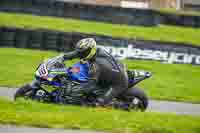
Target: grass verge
(170, 81)
(160, 33)
(179, 12)
(30, 113)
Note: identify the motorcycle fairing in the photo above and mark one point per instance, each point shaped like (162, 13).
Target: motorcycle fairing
(80, 75)
(79, 72)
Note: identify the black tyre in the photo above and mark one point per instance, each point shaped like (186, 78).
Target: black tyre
(136, 98)
(24, 92)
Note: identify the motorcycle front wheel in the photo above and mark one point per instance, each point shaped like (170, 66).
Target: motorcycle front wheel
(27, 92)
(24, 92)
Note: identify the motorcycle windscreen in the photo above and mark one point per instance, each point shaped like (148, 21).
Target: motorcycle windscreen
(79, 72)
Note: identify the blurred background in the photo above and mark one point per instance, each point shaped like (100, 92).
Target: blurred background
(148, 4)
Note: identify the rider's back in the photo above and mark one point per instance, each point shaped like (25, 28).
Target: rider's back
(109, 70)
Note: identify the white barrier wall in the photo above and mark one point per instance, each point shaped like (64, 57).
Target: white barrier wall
(135, 4)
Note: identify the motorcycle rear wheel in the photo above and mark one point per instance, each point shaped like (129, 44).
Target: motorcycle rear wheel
(136, 99)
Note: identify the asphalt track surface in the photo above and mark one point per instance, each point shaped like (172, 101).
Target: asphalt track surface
(154, 106)
(15, 129)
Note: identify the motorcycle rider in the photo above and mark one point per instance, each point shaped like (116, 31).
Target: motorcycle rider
(104, 71)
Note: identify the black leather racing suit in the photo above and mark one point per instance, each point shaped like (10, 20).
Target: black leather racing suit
(104, 71)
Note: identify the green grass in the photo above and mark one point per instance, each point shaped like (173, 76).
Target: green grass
(179, 12)
(170, 81)
(30, 113)
(160, 33)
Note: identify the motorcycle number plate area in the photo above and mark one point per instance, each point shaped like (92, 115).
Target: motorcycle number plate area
(42, 71)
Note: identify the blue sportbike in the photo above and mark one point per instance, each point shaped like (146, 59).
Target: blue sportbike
(54, 81)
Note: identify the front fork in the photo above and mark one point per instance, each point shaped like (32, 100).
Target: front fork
(39, 93)
(43, 95)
